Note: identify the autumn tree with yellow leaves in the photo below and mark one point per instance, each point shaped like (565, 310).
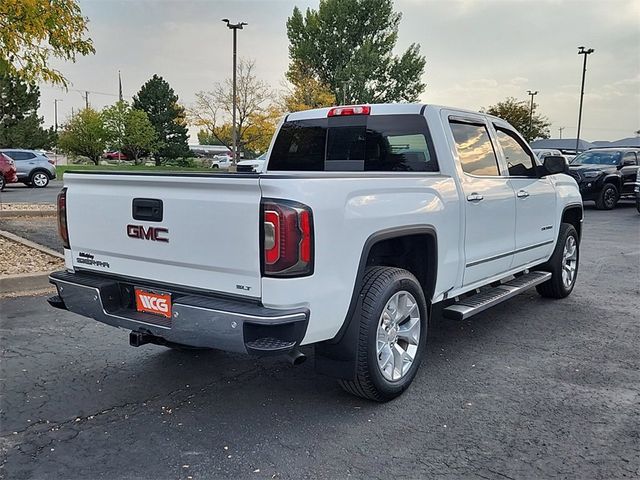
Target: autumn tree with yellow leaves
(32, 32)
(257, 114)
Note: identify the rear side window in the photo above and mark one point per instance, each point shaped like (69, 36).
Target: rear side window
(378, 143)
(475, 149)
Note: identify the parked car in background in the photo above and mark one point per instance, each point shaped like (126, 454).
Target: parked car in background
(7, 171)
(546, 152)
(256, 165)
(606, 174)
(115, 155)
(221, 161)
(33, 168)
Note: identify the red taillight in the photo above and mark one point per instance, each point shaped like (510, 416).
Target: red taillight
(51, 161)
(63, 229)
(287, 239)
(353, 110)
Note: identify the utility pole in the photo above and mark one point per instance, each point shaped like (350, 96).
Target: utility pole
(531, 94)
(585, 52)
(86, 99)
(235, 27)
(55, 114)
(345, 85)
(560, 131)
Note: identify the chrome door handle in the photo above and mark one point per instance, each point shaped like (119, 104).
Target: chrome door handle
(474, 197)
(523, 194)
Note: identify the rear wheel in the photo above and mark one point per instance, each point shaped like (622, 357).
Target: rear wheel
(393, 334)
(563, 265)
(608, 197)
(2, 182)
(39, 179)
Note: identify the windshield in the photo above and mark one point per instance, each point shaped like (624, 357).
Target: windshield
(597, 158)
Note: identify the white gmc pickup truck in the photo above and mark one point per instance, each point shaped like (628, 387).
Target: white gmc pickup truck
(365, 218)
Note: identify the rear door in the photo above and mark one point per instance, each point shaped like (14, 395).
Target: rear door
(489, 201)
(198, 231)
(535, 199)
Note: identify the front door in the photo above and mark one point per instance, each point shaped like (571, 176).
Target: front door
(629, 172)
(489, 202)
(535, 200)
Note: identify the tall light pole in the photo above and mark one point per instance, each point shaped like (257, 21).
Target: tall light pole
(585, 52)
(55, 114)
(235, 27)
(531, 94)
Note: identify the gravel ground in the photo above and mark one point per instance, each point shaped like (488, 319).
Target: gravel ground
(42, 230)
(17, 259)
(530, 389)
(13, 207)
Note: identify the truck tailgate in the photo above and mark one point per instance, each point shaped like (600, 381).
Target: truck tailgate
(211, 240)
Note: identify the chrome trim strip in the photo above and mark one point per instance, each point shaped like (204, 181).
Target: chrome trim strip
(502, 255)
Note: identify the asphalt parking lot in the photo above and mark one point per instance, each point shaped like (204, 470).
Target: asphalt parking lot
(20, 193)
(530, 389)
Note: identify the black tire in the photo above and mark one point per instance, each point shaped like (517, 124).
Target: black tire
(379, 285)
(39, 179)
(555, 287)
(608, 198)
(638, 205)
(2, 182)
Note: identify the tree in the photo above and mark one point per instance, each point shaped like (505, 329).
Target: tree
(34, 31)
(85, 135)
(516, 112)
(307, 93)
(158, 100)
(213, 109)
(139, 135)
(206, 138)
(20, 125)
(348, 46)
(129, 130)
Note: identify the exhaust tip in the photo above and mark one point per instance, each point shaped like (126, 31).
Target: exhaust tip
(296, 357)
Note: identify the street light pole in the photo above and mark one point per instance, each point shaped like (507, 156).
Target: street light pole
(585, 52)
(55, 114)
(531, 94)
(235, 27)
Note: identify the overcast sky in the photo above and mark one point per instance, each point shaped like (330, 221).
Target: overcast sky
(478, 52)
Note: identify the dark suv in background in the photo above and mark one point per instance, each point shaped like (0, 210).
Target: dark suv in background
(34, 168)
(606, 174)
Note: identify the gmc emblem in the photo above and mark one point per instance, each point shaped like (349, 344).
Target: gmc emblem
(147, 233)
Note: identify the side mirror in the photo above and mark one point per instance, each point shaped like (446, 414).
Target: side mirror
(554, 164)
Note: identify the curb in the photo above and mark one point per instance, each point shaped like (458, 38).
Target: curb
(27, 213)
(29, 243)
(24, 283)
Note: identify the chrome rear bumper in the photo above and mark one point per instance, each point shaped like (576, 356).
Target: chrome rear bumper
(198, 320)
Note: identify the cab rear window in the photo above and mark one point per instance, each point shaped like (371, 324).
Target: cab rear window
(376, 143)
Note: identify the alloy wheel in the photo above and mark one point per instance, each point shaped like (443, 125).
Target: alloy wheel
(398, 335)
(569, 261)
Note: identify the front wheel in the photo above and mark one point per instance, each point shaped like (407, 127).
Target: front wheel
(393, 334)
(39, 179)
(608, 198)
(563, 264)
(2, 182)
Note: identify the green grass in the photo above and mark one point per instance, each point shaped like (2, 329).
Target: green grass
(61, 169)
